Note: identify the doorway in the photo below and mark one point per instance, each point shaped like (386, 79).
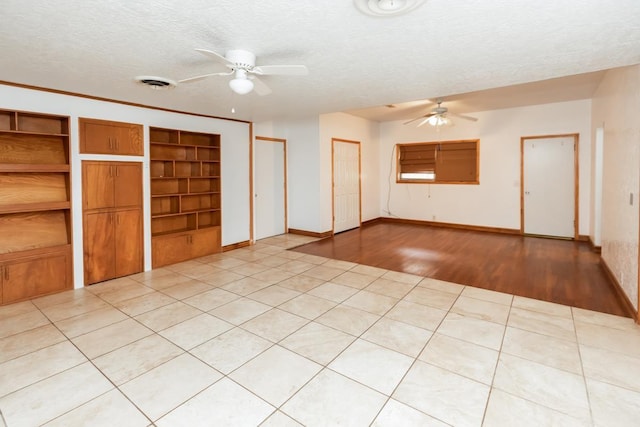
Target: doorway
(270, 194)
(346, 184)
(549, 186)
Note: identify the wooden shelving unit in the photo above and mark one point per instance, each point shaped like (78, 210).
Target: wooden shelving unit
(185, 195)
(35, 205)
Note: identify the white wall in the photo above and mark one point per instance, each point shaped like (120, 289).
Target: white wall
(303, 170)
(346, 126)
(496, 201)
(615, 107)
(235, 157)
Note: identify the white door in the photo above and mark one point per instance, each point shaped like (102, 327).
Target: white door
(269, 188)
(346, 185)
(549, 186)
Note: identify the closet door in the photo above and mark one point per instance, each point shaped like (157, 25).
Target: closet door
(128, 242)
(98, 189)
(128, 184)
(99, 247)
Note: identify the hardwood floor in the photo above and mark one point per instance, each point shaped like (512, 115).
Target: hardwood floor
(560, 271)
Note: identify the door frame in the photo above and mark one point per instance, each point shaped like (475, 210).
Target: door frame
(253, 189)
(576, 178)
(333, 183)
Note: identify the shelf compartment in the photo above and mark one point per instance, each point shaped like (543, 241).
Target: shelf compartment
(166, 136)
(7, 120)
(166, 186)
(211, 169)
(200, 139)
(204, 185)
(165, 205)
(42, 124)
(208, 153)
(188, 169)
(200, 202)
(45, 229)
(161, 168)
(173, 224)
(32, 149)
(172, 152)
(21, 188)
(208, 219)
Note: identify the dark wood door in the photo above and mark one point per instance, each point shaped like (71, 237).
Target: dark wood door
(205, 242)
(170, 249)
(27, 277)
(97, 185)
(107, 137)
(128, 184)
(128, 242)
(99, 247)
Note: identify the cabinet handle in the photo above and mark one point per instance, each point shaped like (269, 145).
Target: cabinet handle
(110, 144)
(117, 171)
(110, 171)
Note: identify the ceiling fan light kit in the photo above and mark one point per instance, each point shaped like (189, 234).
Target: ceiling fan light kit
(242, 65)
(439, 117)
(382, 8)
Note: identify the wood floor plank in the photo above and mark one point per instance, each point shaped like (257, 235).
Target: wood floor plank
(560, 271)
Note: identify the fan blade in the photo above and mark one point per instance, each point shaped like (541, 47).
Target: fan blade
(282, 70)
(473, 119)
(216, 57)
(260, 87)
(421, 117)
(204, 76)
(425, 120)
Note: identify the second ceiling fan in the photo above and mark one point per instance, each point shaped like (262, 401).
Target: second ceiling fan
(242, 65)
(439, 116)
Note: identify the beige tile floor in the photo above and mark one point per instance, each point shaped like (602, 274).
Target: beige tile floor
(266, 336)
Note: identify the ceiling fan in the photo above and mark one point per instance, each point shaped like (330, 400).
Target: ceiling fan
(439, 116)
(242, 65)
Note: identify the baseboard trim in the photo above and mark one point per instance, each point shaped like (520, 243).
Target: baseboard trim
(310, 233)
(620, 293)
(371, 221)
(512, 231)
(238, 245)
(594, 248)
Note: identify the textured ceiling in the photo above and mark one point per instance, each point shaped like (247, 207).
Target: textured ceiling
(443, 48)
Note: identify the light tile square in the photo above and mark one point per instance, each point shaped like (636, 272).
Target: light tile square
(144, 303)
(398, 336)
(318, 342)
(128, 362)
(612, 405)
(603, 319)
(85, 304)
(612, 339)
(223, 404)
(295, 266)
(34, 339)
(369, 270)
(505, 409)
(544, 385)
(372, 365)
(88, 322)
(545, 307)
(240, 310)
(480, 309)
(53, 396)
(220, 278)
(16, 309)
(109, 338)
(371, 302)
(331, 399)
(301, 283)
(167, 386)
(273, 275)
(354, 280)
(195, 331)
(276, 374)
(211, 299)
(545, 324)
(231, 350)
(481, 332)
(487, 295)
(275, 324)
(323, 273)
(438, 393)
(110, 409)
(274, 295)
(461, 357)
(130, 290)
(165, 281)
(389, 288)
(611, 367)
(397, 276)
(307, 306)
(333, 292)
(186, 289)
(544, 349)
(418, 315)
(167, 316)
(396, 414)
(278, 419)
(22, 322)
(441, 285)
(347, 319)
(432, 298)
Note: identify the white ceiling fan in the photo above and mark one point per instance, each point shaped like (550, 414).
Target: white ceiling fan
(242, 65)
(439, 116)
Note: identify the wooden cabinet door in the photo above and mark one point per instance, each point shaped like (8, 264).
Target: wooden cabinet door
(99, 247)
(205, 242)
(28, 277)
(128, 242)
(170, 249)
(98, 185)
(128, 184)
(106, 137)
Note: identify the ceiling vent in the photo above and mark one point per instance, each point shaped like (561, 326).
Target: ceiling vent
(386, 7)
(154, 82)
